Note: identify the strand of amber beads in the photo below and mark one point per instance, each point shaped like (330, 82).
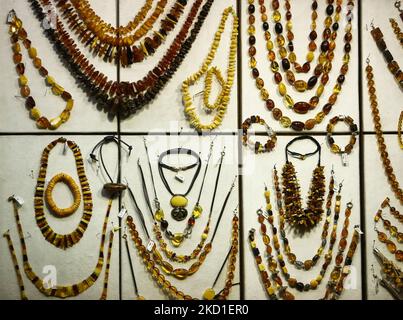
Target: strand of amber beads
(396, 30)
(285, 121)
(292, 258)
(19, 34)
(393, 231)
(326, 56)
(123, 49)
(392, 64)
(379, 135)
(339, 274)
(160, 279)
(298, 67)
(223, 98)
(293, 282)
(278, 283)
(323, 68)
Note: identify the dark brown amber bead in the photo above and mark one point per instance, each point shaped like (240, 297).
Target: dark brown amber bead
(43, 72)
(306, 67)
(313, 35)
(312, 81)
(17, 57)
(20, 68)
(255, 73)
(252, 40)
(286, 64)
(326, 33)
(377, 34)
(270, 104)
(327, 108)
(252, 19)
(301, 107)
(275, 4)
(297, 125)
(277, 114)
(252, 51)
(324, 46)
(277, 77)
(30, 103)
(347, 47)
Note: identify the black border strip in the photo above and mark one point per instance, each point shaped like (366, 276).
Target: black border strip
(363, 242)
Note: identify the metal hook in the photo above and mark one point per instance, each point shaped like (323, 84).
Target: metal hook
(368, 60)
(236, 210)
(341, 186)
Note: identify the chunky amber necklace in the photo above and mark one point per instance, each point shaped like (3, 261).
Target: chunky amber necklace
(62, 241)
(295, 214)
(223, 99)
(147, 252)
(120, 47)
(379, 136)
(292, 258)
(302, 107)
(124, 97)
(18, 34)
(59, 291)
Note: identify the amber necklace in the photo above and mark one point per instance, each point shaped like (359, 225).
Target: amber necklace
(292, 258)
(120, 47)
(124, 97)
(154, 254)
(62, 241)
(285, 121)
(58, 290)
(147, 252)
(294, 213)
(18, 34)
(397, 190)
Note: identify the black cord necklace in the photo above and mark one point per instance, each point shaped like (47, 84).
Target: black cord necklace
(111, 188)
(178, 201)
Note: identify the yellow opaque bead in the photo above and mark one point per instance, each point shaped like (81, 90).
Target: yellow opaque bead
(292, 57)
(282, 89)
(267, 194)
(197, 211)
(32, 52)
(270, 290)
(35, 113)
(179, 201)
(289, 25)
(261, 267)
(251, 30)
(285, 122)
(268, 206)
(177, 239)
(276, 16)
(314, 284)
(209, 294)
(335, 148)
(310, 56)
(23, 80)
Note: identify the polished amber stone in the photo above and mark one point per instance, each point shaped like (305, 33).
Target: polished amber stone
(391, 246)
(277, 113)
(382, 237)
(300, 85)
(310, 124)
(297, 125)
(17, 57)
(43, 123)
(302, 107)
(399, 255)
(30, 103)
(25, 91)
(20, 68)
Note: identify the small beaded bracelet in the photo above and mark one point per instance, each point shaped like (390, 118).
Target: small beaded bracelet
(257, 146)
(353, 139)
(393, 66)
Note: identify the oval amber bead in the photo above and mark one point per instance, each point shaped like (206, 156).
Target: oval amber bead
(302, 107)
(285, 122)
(300, 85)
(297, 125)
(180, 273)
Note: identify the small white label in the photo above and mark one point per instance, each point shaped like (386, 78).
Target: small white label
(122, 213)
(20, 201)
(344, 159)
(10, 16)
(180, 178)
(265, 215)
(150, 246)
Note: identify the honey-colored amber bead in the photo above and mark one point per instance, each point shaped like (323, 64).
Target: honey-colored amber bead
(292, 282)
(167, 267)
(310, 124)
(289, 102)
(335, 148)
(57, 90)
(391, 246)
(292, 57)
(320, 90)
(159, 215)
(310, 56)
(37, 63)
(382, 237)
(399, 255)
(50, 80)
(276, 16)
(180, 273)
(69, 105)
(55, 123)
(313, 284)
(43, 123)
(32, 52)
(209, 294)
(25, 91)
(282, 89)
(300, 85)
(285, 122)
(319, 117)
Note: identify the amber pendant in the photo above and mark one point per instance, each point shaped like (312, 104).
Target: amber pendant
(179, 211)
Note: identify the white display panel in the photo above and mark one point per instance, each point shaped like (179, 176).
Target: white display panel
(377, 189)
(74, 264)
(388, 92)
(204, 278)
(258, 173)
(347, 102)
(166, 112)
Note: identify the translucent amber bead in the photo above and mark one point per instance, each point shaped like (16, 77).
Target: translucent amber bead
(285, 122)
(282, 89)
(274, 66)
(276, 16)
(280, 41)
(337, 88)
(320, 89)
(335, 148)
(69, 105)
(300, 85)
(264, 94)
(319, 117)
(32, 52)
(346, 58)
(290, 77)
(310, 56)
(167, 267)
(292, 57)
(56, 123)
(197, 211)
(391, 246)
(289, 102)
(252, 62)
(283, 52)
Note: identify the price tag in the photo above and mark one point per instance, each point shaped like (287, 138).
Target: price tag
(122, 213)
(180, 178)
(10, 16)
(344, 159)
(358, 229)
(265, 215)
(150, 246)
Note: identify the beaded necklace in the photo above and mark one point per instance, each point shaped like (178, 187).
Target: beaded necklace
(221, 104)
(120, 47)
(124, 97)
(147, 252)
(18, 34)
(59, 291)
(62, 241)
(302, 107)
(397, 190)
(396, 30)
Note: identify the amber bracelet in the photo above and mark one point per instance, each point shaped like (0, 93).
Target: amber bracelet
(257, 146)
